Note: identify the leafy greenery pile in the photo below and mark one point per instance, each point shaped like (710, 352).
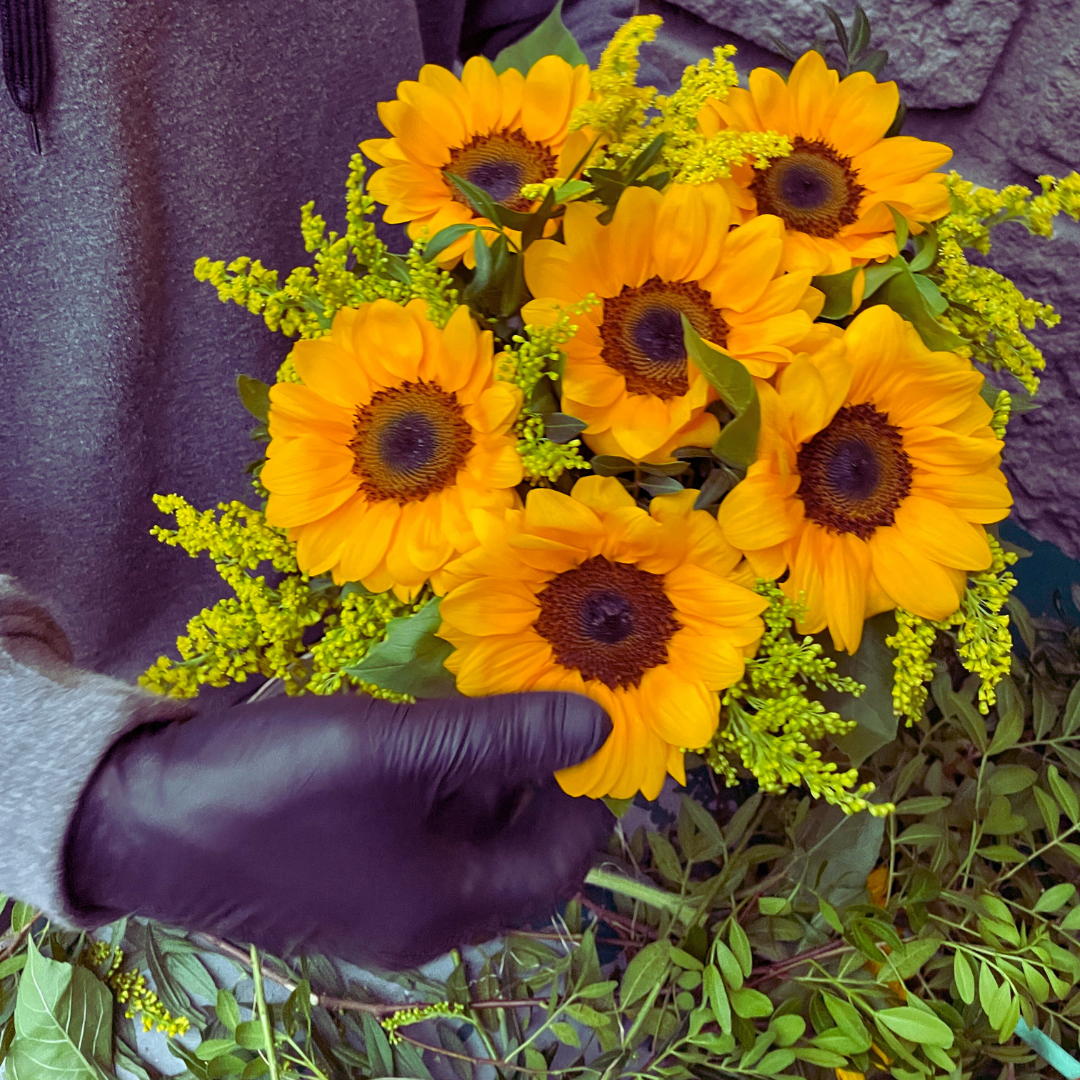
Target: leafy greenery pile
(785, 940)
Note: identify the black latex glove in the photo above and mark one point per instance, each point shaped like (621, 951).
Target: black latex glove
(371, 831)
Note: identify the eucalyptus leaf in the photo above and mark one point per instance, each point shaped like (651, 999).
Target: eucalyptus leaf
(550, 38)
(410, 659)
(561, 427)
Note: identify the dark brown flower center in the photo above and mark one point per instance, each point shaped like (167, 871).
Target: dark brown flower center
(814, 189)
(409, 442)
(609, 621)
(854, 472)
(501, 163)
(643, 335)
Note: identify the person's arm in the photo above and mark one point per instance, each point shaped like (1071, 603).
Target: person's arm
(377, 832)
(56, 723)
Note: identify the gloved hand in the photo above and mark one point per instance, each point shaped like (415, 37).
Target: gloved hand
(371, 831)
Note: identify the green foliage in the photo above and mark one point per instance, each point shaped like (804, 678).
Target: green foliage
(738, 440)
(769, 719)
(550, 38)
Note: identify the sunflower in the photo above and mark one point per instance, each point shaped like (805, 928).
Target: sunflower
(500, 132)
(636, 609)
(661, 257)
(835, 188)
(876, 471)
(398, 431)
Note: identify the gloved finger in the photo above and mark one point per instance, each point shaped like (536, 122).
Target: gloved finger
(485, 890)
(509, 737)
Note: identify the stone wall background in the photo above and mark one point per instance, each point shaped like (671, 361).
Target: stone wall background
(999, 82)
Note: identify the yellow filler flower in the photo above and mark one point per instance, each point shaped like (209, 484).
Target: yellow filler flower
(876, 470)
(500, 132)
(589, 593)
(835, 188)
(664, 256)
(398, 431)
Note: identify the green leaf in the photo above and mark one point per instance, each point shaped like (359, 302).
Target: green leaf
(931, 294)
(1001, 821)
(1072, 920)
(1064, 793)
(750, 1004)
(901, 225)
(410, 659)
(228, 1010)
(860, 33)
(926, 245)
(838, 292)
(257, 1067)
(1056, 897)
(380, 1059)
(172, 997)
(738, 439)
(1009, 779)
(740, 946)
(916, 1026)
(63, 1023)
(848, 1021)
(609, 465)
(565, 1033)
(445, 237)
(873, 709)
(480, 202)
(664, 857)
(644, 972)
(249, 1035)
(830, 915)
(716, 996)
(22, 914)
(550, 38)
(209, 1049)
(923, 804)
(571, 190)
(914, 956)
(1010, 728)
(826, 1059)
(1070, 718)
(1004, 853)
(12, 964)
(561, 427)
(903, 295)
(482, 273)
(775, 1061)
(878, 273)
(191, 974)
(789, 1029)
(1048, 810)
(964, 977)
(709, 843)
(254, 396)
(729, 966)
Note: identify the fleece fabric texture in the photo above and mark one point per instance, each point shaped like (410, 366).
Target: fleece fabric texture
(174, 129)
(56, 723)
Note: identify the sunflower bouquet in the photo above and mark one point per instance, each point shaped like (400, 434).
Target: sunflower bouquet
(679, 402)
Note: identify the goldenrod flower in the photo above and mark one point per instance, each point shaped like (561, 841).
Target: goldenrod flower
(663, 256)
(501, 132)
(876, 470)
(589, 593)
(835, 188)
(398, 431)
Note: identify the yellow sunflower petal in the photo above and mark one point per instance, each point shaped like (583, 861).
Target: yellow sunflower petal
(630, 234)
(369, 537)
(308, 464)
(680, 711)
(692, 222)
(495, 409)
(981, 497)
(547, 99)
(899, 160)
(485, 92)
(388, 343)
(760, 512)
(770, 101)
(860, 112)
(503, 664)
(812, 85)
(715, 661)
(846, 567)
(485, 606)
(601, 493)
(752, 253)
(913, 580)
(942, 534)
(319, 544)
(297, 410)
